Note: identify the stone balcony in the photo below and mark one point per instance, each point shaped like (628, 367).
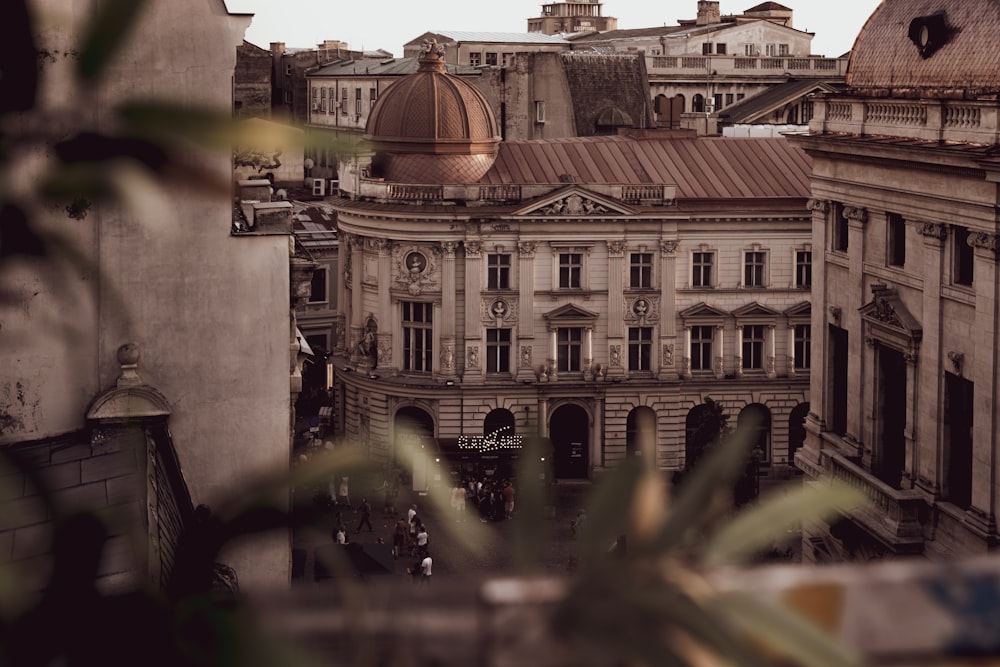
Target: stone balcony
(743, 66)
(961, 121)
(893, 515)
(653, 194)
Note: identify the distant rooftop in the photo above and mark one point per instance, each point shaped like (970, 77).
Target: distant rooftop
(498, 37)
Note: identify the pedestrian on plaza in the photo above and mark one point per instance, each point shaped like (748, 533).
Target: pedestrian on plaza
(508, 500)
(343, 496)
(423, 539)
(366, 515)
(399, 536)
(425, 569)
(340, 536)
(458, 501)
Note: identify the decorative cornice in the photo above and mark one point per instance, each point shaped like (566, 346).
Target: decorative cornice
(617, 248)
(856, 213)
(819, 205)
(573, 204)
(933, 230)
(985, 241)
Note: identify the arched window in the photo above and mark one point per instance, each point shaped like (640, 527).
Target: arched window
(640, 433)
(796, 430)
(698, 103)
(760, 417)
(499, 421)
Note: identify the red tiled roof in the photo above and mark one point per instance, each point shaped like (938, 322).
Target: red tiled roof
(700, 168)
(885, 61)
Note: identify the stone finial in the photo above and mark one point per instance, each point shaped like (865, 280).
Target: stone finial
(128, 357)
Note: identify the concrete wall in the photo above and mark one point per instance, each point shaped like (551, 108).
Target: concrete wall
(209, 312)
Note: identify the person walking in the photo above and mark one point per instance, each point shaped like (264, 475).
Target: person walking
(425, 569)
(508, 500)
(399, 537)
(366, 515)
(423, 539)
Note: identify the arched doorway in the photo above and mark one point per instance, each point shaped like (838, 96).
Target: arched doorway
(569, 430)
(704, 425)
(415, 446)
(499, 422)
(698, 103)
(759, 417)
(640, 433)
(796, 430)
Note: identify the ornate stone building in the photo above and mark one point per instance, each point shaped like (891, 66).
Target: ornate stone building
(905, 295)
(591, 290)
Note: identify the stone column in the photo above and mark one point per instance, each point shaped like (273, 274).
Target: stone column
(448, 306)
(616, 290)
(543, 417)
(342, 345)
(790, 350)
(668, 310)
(926, 470)
(808, 456)
(553, 354)
(384, 338)
(985, 419)
(856, 219)
(473, 369)
(588, 350)
(526, 313)
(719, 351)
(686, 372)
(738, 370)
(769, 356)
(357, 302)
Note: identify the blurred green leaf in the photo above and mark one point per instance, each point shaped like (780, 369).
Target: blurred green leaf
(760, 525)
(607, 508)
(699, 494)
(528, 540)
(108, 28)
(784, 630)
(162, 119)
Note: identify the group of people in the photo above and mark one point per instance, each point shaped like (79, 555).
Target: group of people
(492, 500)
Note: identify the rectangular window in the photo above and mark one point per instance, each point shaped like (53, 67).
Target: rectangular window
(770, 50)
(476, 59)
(962, 256)
(750, 50)
(570, 266)
(959, 395)
(720, 49)
(317, 291)
(641, 269)
(505, 59)
(753, 269)
(640, 348)
(343, 101)
(803, 346)
(498, 350)
(568, 348)
(803, 268)
(498, 271)
(372, 96)
(357, 101)
(729, 99)
(701, 274)
(706, 49)
(837, 379)
(539, 111)
(896, 243)
(491, 59)
(753, 347)
(782, 49)
(840, 228)
(718, 100)
(417, 336)
(701, 348)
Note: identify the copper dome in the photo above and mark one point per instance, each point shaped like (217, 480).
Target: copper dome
(928, 48)
(432, 127)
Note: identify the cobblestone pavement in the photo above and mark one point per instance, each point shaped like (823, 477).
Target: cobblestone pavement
(451, 557)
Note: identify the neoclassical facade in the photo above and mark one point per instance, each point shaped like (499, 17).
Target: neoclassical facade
(593, 291)
(904, 202)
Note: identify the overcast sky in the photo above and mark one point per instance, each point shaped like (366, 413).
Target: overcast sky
(391, 23)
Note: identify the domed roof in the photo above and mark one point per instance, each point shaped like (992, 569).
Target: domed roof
(432, 127)
(928, 48)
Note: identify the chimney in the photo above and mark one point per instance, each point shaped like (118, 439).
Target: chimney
(708, 12)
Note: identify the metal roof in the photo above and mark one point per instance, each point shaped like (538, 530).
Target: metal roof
(314, 225)
(703, 168)
(752, 108)
(381, 67)
(498, 37)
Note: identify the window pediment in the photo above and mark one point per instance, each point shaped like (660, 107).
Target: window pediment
(703, 311)
(889, 321)
(801, 310)
(576, 202)
(570, 315)
(754, 310)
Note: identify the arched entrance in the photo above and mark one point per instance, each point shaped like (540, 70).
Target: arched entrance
(569, 430)
(796, 430)
(415, 446)
(499, 422)
(640, 433)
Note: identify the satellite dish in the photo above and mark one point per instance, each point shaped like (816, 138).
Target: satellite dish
(308, 163)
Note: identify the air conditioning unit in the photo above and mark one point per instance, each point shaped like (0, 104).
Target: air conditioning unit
(319, 187)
